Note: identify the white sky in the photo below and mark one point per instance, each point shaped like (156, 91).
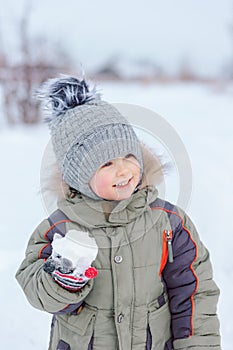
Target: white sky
(165, 31)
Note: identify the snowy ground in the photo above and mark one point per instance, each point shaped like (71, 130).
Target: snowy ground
(202, 117)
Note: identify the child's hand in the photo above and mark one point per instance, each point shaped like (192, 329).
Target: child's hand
(65, 275)
(70, 262)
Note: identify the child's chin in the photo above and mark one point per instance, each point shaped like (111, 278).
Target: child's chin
(118, 194)
(122, 196)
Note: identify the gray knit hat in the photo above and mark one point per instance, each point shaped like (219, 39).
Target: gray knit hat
(86, 132)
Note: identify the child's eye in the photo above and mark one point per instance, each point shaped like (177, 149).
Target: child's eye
(129, 156)
(107, 164)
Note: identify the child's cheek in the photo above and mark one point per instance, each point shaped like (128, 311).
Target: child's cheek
(104, 185)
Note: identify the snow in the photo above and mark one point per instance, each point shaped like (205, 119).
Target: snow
(202, 117)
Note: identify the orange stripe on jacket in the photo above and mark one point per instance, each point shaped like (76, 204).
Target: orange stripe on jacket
(46, 237)
(191, 268)
(51, 227)
(41, 250)
(164, 256)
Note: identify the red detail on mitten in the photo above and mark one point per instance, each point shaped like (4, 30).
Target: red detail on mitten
(68, 277)
(91, 272)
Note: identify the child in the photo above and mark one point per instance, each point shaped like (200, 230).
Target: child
(118, 267)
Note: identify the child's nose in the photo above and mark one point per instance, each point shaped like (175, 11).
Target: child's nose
(122, 169)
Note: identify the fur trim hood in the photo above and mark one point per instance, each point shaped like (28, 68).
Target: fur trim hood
(53, 188)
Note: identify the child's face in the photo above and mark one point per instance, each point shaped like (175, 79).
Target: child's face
(117, 179)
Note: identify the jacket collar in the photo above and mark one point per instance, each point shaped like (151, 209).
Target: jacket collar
(90, 213)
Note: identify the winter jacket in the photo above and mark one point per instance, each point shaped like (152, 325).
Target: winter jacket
(139, 300)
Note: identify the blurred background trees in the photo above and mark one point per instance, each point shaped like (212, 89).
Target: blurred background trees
(37, 60)
(39, 57)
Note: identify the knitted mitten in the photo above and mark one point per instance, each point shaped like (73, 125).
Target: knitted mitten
(71, 259)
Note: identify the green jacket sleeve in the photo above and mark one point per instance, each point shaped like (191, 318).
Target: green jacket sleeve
(39, 287)
(193, 294)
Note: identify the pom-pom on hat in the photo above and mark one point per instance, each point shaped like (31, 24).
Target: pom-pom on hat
(86, 132)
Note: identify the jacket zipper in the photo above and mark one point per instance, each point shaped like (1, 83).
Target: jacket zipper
(168, 237)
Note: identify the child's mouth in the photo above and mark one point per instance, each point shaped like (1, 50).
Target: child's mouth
(123, 184)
